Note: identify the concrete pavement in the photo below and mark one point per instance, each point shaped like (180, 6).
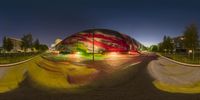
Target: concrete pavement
(133, 83)
(174, 75)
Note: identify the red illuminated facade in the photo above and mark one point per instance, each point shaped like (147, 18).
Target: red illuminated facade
(99, 40)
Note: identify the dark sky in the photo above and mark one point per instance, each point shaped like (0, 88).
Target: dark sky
(145, 20)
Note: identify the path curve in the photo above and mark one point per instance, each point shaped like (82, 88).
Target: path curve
(13, 64)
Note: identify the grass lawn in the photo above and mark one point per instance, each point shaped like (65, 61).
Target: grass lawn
(184, 58)
(67, 57)
(7, 58)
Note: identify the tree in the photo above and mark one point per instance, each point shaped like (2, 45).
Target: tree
(167, 44)
(27, 41)
(7, 44)
(37, 44)
(4, 43)
(154, 48)
(191, 38)
(160, 47)
(43, 47)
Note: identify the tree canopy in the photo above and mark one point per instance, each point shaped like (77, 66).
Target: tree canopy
(27, 41)
(7, 44)
(166, 44)
(191, 37)
(37, 44)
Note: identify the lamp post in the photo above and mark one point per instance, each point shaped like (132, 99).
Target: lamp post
(93, 45)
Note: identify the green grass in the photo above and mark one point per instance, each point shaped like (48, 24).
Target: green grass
(183, 58)
(7, 60)
(96, 56)
(66, 58)
(41, 78)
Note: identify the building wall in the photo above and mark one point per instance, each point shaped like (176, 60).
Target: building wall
(178, 44)
(16, 44)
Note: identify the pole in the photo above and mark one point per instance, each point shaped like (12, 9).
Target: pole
(193, 54)
(93, 45)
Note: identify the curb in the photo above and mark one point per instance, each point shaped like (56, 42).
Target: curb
(185, 64)
(12, 64)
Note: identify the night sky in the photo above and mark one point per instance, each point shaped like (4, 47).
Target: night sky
(145, 20)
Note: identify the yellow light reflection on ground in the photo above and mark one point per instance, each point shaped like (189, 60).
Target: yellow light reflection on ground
(55, 75)
(45, 74)
(194, 88)
(11, 79)
(47, 79)
(64, 75)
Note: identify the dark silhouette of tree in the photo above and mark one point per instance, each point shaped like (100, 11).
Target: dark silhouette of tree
(154, 48)
(4, 43)
(37, 44)
(7, 44)
(43, 47)
(191, 38)
(169, 44)
(160, 47)
(27, 41)
(166, 44)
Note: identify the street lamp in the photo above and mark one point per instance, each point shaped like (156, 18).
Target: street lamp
(93, 45)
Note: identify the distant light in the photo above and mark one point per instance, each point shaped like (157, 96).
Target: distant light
(190, 51)
(132, 52)
(113, 54)
(55, 52)
(77, 54)
(52, 45)
(182, 38)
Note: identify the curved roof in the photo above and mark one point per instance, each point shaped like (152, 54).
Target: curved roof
(102, 39)
(105, 31)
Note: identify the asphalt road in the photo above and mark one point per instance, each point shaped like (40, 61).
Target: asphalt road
(133, 83)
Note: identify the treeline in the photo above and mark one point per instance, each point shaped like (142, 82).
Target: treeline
(27, 42)
(190, 41)
(19, 54)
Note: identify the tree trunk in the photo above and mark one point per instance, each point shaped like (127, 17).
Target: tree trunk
(193, 54)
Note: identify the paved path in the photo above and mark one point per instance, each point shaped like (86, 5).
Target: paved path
(134, 83)
(2, 71)
(172, 73)
(5, 67)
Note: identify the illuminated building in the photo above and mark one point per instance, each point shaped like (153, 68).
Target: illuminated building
(178, 44)
(58, 40)
(98, 41)
(16, 44)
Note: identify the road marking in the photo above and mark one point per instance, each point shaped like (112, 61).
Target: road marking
(132, 64)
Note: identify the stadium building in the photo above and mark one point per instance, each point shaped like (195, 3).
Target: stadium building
(98, 41)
